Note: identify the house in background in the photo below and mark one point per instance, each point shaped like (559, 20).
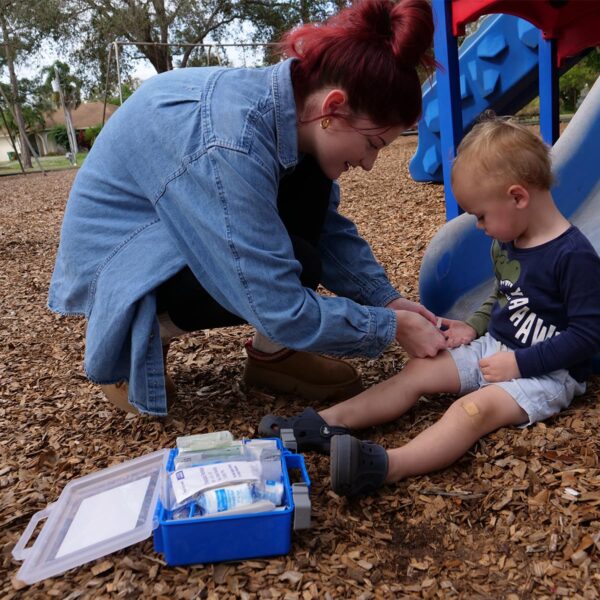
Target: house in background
(88, 114)
(85, 115)
(5, 145)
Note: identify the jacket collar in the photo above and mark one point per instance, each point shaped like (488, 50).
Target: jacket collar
(285, 114)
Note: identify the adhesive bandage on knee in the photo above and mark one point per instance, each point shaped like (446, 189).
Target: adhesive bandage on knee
(470, 408)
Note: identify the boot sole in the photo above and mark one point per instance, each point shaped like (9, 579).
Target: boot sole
(269, 379)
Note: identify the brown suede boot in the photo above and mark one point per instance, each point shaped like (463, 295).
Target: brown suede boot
(311, 376)
(117, 393)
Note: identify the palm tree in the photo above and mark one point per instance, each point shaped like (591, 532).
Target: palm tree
(70, 85)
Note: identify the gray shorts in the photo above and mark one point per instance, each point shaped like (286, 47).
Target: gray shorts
(540, 397)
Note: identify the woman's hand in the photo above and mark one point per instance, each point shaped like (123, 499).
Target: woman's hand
(457, 332)
(501, 366)
(404, 304)
(419, 337)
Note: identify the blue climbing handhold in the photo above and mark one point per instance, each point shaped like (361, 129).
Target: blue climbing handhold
(432, 116)
(527, 33)
(490, 79)
(465, 90)
(491, 46)
(432, 160)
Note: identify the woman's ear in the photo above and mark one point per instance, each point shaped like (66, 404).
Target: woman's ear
(335, 101)
(519, 195)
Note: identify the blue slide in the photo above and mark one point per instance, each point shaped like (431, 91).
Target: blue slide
(498, 67)
(456, 273)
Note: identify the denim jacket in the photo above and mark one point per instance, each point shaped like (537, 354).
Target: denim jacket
(186, 172)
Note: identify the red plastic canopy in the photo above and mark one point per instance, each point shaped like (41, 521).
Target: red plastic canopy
(574, 24)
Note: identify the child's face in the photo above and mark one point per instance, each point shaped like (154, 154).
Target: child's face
(495, 208)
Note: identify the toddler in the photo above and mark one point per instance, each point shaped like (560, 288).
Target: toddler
(519, 359)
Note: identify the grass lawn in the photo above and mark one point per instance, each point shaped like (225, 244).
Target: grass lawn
(49, 163)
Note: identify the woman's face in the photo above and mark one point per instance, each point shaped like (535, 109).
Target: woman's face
(350, 142)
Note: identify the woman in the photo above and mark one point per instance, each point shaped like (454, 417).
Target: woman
(209, 200)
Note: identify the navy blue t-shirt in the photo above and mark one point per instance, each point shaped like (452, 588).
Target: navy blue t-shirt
(548, 307)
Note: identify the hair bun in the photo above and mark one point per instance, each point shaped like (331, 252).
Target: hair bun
(413, 32)
(406, 25)
(371, 50)
(377, 19)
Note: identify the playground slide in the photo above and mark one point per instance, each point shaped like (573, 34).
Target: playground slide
(498, 67)
(456, 274)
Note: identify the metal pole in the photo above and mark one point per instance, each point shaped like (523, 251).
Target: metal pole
(68, 123)
(118, 72)
(35, 155)
(106, 84)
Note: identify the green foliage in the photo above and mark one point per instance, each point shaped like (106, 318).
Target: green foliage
(70, 84)
(96, 23)
(32, 105)
(91, 133)
(59, 134)
(585, 72)
(531, 110)
(127, 88)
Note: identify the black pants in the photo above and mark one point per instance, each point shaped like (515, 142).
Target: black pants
(302, 202)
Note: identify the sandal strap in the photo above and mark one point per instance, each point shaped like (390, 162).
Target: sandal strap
(330, 430)
(309, 429)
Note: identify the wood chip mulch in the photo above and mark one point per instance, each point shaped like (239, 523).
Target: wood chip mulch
(517, 517)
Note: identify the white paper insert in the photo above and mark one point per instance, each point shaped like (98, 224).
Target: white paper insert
(105, 515)
(187, 482)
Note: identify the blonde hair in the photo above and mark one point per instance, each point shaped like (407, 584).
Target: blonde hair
(506, 151)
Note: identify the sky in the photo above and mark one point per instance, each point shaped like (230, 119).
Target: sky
(143, 69)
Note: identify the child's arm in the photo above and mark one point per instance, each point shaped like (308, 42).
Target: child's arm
(580, 340)
(464, 332)
(480, 319)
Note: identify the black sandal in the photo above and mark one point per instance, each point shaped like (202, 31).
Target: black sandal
(310, 431)
(357, 467)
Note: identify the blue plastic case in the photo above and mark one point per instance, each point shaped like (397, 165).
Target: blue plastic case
(116, 507)
(250, 535)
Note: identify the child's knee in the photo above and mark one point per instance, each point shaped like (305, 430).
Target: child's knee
(471, 408)
(471, 411)
(483, 413)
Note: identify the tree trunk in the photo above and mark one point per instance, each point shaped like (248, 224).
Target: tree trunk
(14, 86)
(159, 57)
(304, 11)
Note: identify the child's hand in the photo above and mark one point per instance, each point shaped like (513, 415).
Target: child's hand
(457, 332)
(417, 335)
(404, 304)
(501, 366)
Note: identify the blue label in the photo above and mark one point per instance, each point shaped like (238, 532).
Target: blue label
(222, 503)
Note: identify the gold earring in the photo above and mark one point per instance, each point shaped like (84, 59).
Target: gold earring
(325, 123)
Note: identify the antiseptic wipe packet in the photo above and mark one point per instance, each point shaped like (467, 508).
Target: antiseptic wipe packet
(186, 483)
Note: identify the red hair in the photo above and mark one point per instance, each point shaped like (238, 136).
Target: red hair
(370, 50)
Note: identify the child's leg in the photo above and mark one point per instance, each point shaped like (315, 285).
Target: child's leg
(388, 400)
(468, 419)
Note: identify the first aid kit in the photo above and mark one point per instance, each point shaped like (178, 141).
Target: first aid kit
(202, 504)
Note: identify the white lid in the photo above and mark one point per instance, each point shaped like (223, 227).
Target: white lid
(95, 515)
